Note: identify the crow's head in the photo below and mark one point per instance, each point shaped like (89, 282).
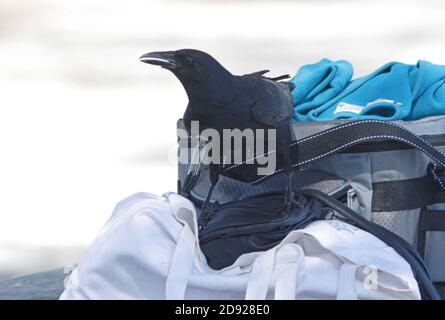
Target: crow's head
(185, 61)
(194, 68)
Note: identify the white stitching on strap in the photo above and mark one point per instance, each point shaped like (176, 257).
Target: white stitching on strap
(336, 129)
(309, 138)
(353, 142)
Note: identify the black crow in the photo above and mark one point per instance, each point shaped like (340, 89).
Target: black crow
(220, 100)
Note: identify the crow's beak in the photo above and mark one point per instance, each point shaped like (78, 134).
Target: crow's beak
(163, 59)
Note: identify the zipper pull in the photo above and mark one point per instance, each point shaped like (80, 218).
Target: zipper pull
(207, 214)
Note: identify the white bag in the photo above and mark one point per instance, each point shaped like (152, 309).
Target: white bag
(149, 249)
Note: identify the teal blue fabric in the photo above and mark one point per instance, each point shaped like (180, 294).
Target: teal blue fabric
(396, 91)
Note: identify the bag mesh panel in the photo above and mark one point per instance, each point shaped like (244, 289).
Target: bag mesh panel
(403, 223)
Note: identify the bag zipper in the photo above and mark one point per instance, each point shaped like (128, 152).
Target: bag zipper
(219, 233)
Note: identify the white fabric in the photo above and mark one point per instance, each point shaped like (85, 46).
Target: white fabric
(149, 249)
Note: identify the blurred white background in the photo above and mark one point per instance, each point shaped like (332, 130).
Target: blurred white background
(84, 124)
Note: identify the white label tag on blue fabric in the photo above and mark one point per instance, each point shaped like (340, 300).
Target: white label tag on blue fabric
(381, 100)
(346, 107)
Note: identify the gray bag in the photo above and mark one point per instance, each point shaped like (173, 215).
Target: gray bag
(391, 173)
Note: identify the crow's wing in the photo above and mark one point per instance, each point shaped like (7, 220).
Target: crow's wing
(272, 105)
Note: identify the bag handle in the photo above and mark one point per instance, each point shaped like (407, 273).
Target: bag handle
(181, 265)
(264, 266)
(391, 239)
(287, 282)
(343, 137)
(346, 288)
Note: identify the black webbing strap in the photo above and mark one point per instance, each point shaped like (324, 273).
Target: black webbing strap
(397, 243)
(407, 194)
(338, 139)
(430, 220)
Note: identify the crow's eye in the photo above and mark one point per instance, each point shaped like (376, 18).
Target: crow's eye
(188, 60)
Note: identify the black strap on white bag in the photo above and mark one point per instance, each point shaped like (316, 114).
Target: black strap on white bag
(397, 243)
